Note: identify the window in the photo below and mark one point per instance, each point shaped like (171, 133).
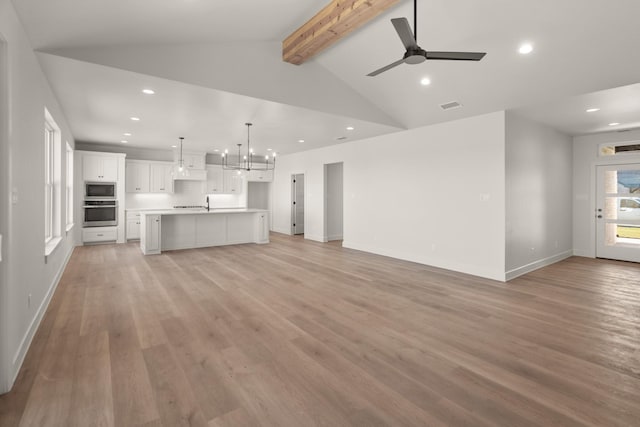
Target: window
(49, 189)
(52, 180)
(69, 194)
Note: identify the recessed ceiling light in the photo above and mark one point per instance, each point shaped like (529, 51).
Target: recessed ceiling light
(216, 150)
(135, 119)
(525, 48)
(350, 128)
(269, 149)
(426, 81)
(124, 141)
(301, 140)
(614, 124)
(148, 91)
(174, 146)
(126, 134)
(592, 110)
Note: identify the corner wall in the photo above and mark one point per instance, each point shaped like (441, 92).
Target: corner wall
(539, 172)
(29, 273)
(433, 195)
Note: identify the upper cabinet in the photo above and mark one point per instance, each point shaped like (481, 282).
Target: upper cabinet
(148, 177)
(192, 160)
(137, 177)
(161, 178)
(232, 182)
(100, 168)
(260, 175)
(214, 183)
(221, 181)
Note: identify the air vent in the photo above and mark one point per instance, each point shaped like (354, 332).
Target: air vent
(450, 105)
(341, 138)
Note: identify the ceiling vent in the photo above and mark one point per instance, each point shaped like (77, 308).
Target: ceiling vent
(341, 138)
(450, 105)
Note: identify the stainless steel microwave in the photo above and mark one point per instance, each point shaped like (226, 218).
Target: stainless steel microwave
(100, 190)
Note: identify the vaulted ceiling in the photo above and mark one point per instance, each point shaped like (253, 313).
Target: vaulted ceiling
(216, 65)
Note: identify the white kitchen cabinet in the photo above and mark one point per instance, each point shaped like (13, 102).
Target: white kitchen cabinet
(232, 182)
(99, 168)
(137, 177)
(256, 175)
(99, 234)
(150, 229)
(192, 160)
(161, 178)
(215, 181)
(133, 225)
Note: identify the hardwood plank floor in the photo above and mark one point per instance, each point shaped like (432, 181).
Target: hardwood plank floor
(298, 333)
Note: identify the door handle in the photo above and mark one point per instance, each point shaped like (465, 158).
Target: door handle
(599, 216)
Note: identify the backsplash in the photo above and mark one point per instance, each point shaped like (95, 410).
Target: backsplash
(187, 193)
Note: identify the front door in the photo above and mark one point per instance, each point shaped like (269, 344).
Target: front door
(618, 212)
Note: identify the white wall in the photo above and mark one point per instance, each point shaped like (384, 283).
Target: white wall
(334, 201)
(538, 195)
(433, 195)
(28, 271)
(585, 160)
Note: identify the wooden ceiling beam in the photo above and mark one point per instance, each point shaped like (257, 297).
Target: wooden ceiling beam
(333, 22)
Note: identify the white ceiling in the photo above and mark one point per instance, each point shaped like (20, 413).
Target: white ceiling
(217, 64)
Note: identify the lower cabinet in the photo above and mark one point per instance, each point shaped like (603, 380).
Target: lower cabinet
(150, 229)
(133, 225)
(99, 234)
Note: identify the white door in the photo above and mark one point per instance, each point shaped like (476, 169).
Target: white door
(618, 212)
(297, 204)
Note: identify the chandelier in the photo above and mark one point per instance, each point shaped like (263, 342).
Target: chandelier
(245, 162)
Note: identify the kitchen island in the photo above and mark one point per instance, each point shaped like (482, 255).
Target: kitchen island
(171, 229)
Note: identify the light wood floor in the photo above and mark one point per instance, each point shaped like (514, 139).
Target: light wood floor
(297, 333)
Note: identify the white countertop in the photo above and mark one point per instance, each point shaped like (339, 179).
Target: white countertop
(199, 211)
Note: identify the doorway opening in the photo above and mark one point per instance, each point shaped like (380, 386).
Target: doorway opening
(333, 201)
(618, 212)
(297, 204)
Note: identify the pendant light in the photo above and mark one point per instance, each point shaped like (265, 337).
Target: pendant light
(246, 162)
(179, 169)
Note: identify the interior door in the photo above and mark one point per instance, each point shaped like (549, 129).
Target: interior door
(297, 204)
(618, 212)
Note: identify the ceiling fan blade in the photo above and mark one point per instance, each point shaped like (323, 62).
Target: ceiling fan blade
(404, 31)
(386, 68)
(456, 56)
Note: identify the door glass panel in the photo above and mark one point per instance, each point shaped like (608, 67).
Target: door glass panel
(618, 212)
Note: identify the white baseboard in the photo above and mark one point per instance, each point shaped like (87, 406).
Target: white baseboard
(18, 358)
(334, 237)
(446, 264)
(516, 272)
(320, 239)
(286, 231)
(583, 253)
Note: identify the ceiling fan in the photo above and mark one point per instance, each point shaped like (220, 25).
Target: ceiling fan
(415, 54)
